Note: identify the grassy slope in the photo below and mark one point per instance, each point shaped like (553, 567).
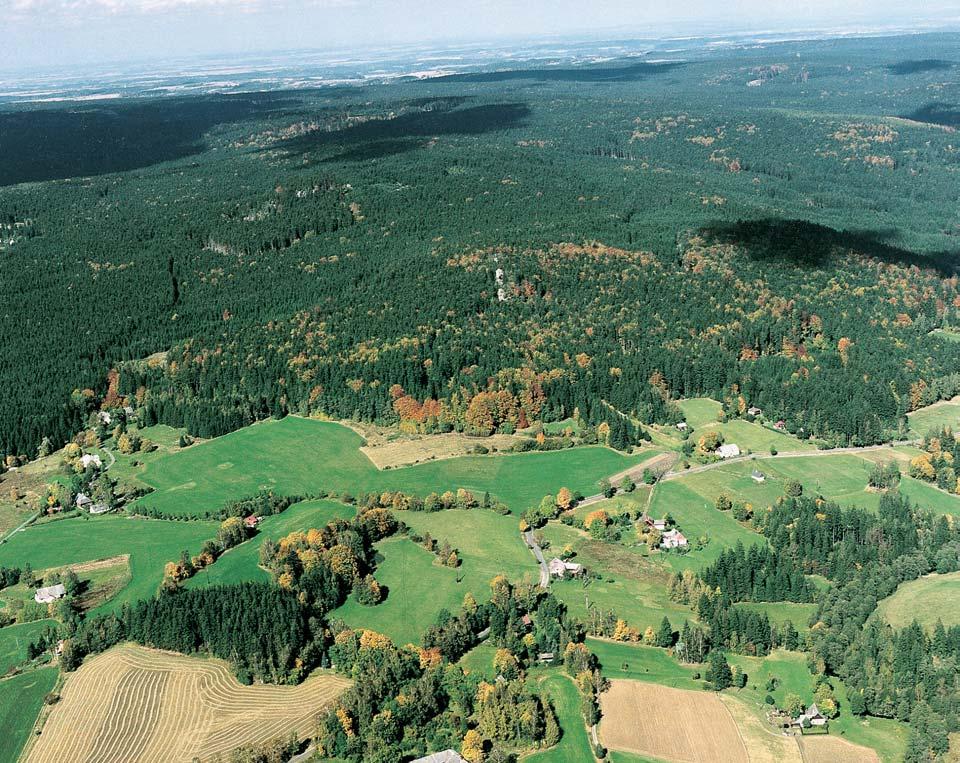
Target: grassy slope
(634, 585)
(297, 456)
(240, 564)
(14, 640)
(924, 600)
(933, 417)
(574, 745)
(150, 543)
(696, 516)
(21, 698)
(419, 587)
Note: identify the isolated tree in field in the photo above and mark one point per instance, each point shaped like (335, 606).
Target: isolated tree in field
(564, 498)
(718, 672)
(628, 485)
(723, 502)
(793, 488)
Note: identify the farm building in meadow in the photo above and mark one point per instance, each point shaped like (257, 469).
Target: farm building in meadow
(730, 450)
(49, 593)
(446, 756)
(252, 522)
(560, 569)
(99, 508)
(657, 524)
(682, 426)
(754, 411)
(757, 476)
(90, 459)
(83, 501)
(780, 425)
(812, 717)
(673, 538)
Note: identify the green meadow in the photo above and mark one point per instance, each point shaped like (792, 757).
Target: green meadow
(21, 698)
(150, 543)
(241, 563)
(300, 456)
(14, 640)
(696, 517)
(943, 414)
(633, 584)
(925, 600)
(700, 411)
(418, 586)
(574, 746)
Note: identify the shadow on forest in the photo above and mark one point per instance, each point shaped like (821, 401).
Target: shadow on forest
(916, 67)
(946, 114)
(385, 137)
(807, 244)
(605, 73)
(92, 139)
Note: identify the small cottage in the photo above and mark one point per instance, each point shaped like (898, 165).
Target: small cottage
(757, 476)
(811, 717)
(49, 593)
(560, 569)
(673, 538)
(729, 450)
(445, 756)
(90, 459)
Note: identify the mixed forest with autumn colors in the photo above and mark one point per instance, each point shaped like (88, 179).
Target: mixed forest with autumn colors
(482, 252)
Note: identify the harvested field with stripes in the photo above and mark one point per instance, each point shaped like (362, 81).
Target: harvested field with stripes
(671, 724)
(144, 706)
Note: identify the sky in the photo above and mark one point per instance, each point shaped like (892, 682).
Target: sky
(42, 34)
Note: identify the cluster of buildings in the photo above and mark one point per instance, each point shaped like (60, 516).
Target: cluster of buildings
(669, 537)
(561, 569)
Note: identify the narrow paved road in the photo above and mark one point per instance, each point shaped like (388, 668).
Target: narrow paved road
(538, 554)
(17, 529)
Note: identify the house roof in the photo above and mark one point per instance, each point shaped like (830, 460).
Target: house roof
(445, 756)
(51, 591)
(756, 473)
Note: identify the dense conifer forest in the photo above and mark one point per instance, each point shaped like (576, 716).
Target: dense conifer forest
(482, 252)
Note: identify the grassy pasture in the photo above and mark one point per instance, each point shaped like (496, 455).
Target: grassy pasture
(419, 587)
(241, 563)
(297, 456)
(945, 413)
(21, 699)
(841, 477)
(150, 544)
(574, 745)
(480, 660)
(634, 585)
(700, 411)
(132, 703)
(14, 640)
(757, 438)
(696, 516)
(924, 600)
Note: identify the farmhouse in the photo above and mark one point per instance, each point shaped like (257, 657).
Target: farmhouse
(754, 411)
(729, 450)
(49, 593)
(682, 426)
(446, 756)
(83, 501)
(99, 508)
(90, 459)
(812, 717)
(657, 524)
(673, 538)
(251, 522)
(780, 425)
(757, 476)
(559, 568)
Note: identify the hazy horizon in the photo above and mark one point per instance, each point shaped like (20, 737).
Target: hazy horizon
(52, 34)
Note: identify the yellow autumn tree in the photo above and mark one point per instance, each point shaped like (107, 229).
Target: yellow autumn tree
(472, 747)
(564, 498)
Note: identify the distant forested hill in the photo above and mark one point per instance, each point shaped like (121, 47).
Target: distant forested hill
(776, 226)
